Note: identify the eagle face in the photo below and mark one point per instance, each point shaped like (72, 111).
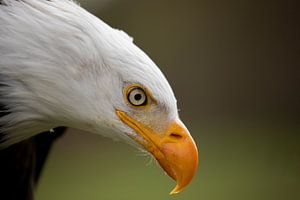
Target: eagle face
(65, 67)
(144, 108)
(167, 139)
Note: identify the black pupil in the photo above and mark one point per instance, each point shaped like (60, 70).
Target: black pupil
(138, 97)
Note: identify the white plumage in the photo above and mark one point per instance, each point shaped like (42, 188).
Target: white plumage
(61, 66)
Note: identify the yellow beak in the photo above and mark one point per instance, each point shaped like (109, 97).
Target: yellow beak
(174, 149)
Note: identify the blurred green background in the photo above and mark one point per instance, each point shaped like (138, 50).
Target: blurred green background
(235, 69)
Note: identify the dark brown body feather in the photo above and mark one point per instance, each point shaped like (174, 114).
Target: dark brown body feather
(21, 164)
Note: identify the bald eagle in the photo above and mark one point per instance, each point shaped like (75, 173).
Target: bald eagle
(60, 66)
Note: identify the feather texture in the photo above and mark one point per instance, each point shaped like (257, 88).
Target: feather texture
(21, 165)
(62, 66)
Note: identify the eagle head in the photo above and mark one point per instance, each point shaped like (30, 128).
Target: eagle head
(61, 66)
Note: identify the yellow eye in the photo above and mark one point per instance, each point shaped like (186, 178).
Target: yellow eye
(136, 96)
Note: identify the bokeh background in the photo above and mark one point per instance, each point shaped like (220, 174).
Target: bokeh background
(235, 68)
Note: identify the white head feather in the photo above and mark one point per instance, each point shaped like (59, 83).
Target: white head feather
(62, 66)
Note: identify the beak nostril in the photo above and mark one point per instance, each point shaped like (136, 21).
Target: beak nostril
(175, 136)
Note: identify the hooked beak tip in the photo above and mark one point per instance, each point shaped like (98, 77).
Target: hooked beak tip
(174, 149)
(180, 159)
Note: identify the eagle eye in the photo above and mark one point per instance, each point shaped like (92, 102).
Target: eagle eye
(137, 96)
